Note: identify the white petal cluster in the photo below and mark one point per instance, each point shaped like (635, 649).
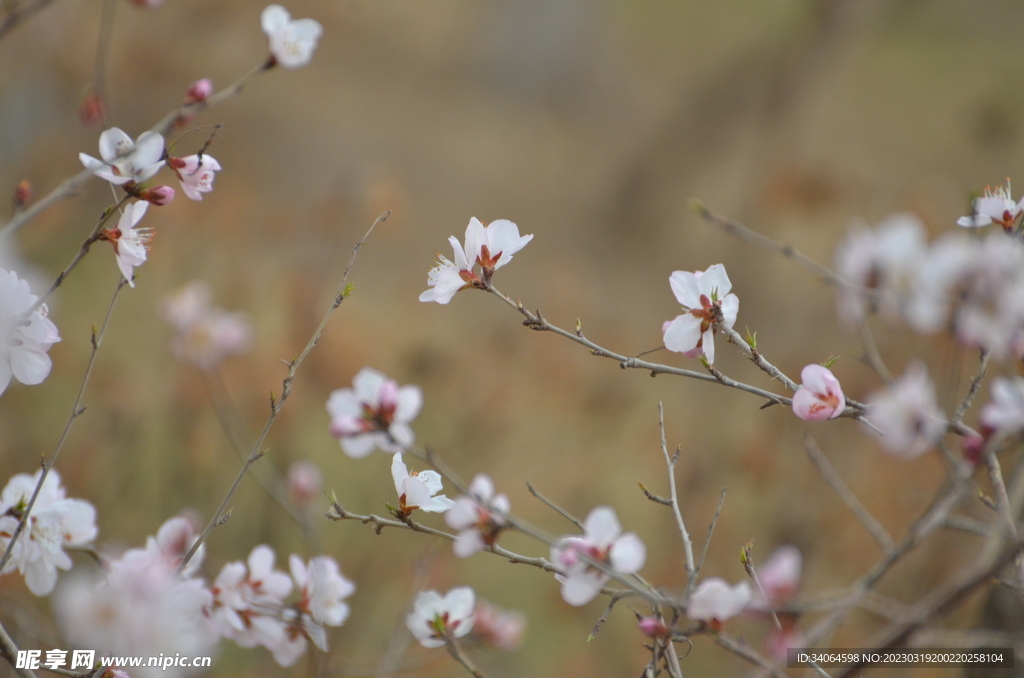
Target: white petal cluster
(878, 266)
(715, 602)
(996, 205)
(436, 619)
(204, 333)
(603, 543)
(908, 414)
(374, 414)
(24, 341)
(54, 523)
(142, 606)
(250, 603)
(417, 490)
(125, 160)
(706, 299)
(130, 243)
(292, 42)
(1005, 412)
(479, 518)
(974, 286)
(489, 247)
(195, 173)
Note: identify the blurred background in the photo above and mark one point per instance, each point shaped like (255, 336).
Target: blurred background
(589, 124)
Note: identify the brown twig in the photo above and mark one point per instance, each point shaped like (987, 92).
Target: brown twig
(76, 411)
(555, 507)
(828, 472)
(670, 461)
(286, 389)
(9, 651)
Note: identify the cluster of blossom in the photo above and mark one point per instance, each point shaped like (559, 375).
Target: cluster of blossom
(376, 412)
(249, 603)
(56, 523)
(204, 334)
(973, 285)
(715, 601)
(144, 605)
(436, 620)
(25, 338)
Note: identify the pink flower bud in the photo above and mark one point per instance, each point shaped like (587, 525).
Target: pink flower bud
(819, 396)
(654, 627)
(22, 194)
(148, 4)
(158, 195)
(92, 109)
(304, 483)
(199, 91)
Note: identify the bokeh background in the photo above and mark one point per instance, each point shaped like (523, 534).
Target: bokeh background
(591, 125)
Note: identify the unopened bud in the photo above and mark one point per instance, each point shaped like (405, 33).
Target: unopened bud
(92, 110)
(199, 91)
(22, 194)
(158, 195)
(305, 483)
(653, 627)
(148, 4)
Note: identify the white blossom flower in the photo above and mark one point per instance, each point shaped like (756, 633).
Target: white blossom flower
(196, 174)
(205, 334)
(374, 413)
(417, 490)
(715, 602)
(479, 518)
(908, 414)
(247, 601)
(490, 247)
(996, 205)
(1005, 412)
(780, 575)
(602, 542)
(435, 620)
(173, 541)
(292, 42)
(501, 629)
(819, 396)
(322, 587)
(126, 161)
(129, 242)
(23, 341)
(140, 607)
(879, 266)
(54, 523)
(705, 297)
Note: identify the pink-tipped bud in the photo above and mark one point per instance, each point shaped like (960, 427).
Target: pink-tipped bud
(305, 483)
(92, 110)
(199, 91)
(974, 445)
(22, 194)
(148, 4)
(158, 195)
(653, 627)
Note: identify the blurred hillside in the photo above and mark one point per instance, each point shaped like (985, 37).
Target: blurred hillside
(589, 124)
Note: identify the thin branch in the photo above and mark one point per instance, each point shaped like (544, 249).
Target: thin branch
(828, 472)
(555, 507)
(751, 236)
(69, 187)
(755, 357)
(653, 497)
(76, 411)
(9, 651)
(337, 512)
(612, 601)
(82, 251)
(459, 656)
(995, 475)
(707, 541)
(19, 13)
(871, 353)
(744, 651)
(670, 461)
(286, 389)
(748, 565)
(975, 386)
